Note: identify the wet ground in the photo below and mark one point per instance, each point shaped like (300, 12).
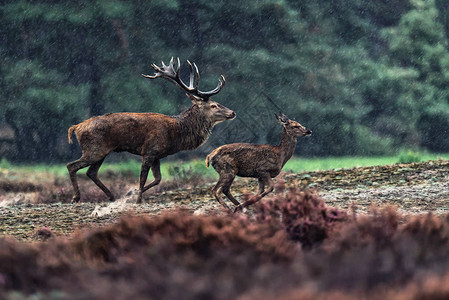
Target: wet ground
(413, 188)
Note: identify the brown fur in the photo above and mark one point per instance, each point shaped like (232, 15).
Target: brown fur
(250, 160)
(70, 132)
(151, 135)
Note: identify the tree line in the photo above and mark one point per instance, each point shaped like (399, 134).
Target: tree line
(367, 77)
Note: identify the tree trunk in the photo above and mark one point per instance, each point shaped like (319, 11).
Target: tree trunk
(443, 9)
(95, 102)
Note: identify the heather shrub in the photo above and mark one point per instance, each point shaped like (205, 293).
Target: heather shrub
(424, 241)
(382, 254)
(382, 248)
(36, 267)
(179, 256)
(9, 186)
(179, 232)
(361, 254)
(14, 260)
(379, 227)
(176, 255)
(303, 214)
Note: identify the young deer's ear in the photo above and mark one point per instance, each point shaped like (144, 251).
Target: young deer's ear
(195, 99)
(281, 118)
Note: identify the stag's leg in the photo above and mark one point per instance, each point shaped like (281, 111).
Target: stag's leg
(263, 181)
(147, 163)
(76, 165)
(156, 169)
(92, 173)
(73, 167)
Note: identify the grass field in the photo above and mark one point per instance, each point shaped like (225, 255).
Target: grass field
(299, 164)
(173, 169)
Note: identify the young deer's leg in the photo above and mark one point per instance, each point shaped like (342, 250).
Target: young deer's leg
(227, 188)
(223, 184)
(270, 188)
(265, 180)
(92, 173)
(231, 197)
(261, 186)
(73, 167)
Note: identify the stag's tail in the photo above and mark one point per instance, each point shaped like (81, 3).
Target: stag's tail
(70, 132)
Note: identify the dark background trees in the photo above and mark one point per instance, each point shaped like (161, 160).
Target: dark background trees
(368, 77)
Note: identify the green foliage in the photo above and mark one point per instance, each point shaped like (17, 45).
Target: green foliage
(420, 43)
(409, 156)
(5, 164)
(134, 93)
(37, 106)
(365, 77)
(189, 171)
(78, 13)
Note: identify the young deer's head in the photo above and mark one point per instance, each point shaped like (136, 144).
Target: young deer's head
(293, 128)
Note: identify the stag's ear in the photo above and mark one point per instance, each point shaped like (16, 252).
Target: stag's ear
(195, 99)
(282, 118)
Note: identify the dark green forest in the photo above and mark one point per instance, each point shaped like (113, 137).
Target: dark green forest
(367, 77)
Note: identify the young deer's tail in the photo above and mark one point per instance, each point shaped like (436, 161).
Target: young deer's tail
(207, 160)
(70, 132)
(210, 157)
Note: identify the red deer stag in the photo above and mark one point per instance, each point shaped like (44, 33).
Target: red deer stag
(250, 160)
(151, 135)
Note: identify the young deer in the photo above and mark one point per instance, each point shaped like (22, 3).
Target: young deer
(250, 160)
(151, 135)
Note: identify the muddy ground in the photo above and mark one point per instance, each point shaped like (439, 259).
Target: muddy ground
(32, 206)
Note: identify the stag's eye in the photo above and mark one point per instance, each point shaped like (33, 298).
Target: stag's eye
(214, 106)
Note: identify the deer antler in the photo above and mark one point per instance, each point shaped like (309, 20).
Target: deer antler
(169, 73)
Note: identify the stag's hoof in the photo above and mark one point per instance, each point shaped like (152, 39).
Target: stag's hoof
(76, 199)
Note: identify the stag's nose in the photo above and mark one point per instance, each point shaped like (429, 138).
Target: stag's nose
(232, 116)
(308, 132)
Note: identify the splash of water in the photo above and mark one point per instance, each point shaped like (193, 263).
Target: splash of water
(117, 206)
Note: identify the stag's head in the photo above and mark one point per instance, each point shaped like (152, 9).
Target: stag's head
(293, 128)
(211, 110)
